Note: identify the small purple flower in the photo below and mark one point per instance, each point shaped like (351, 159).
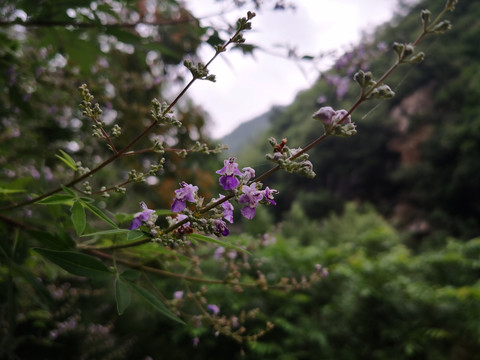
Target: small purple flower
(228, 181)
(235, 322)
(213, 308)
(325, 115)
(331, 118)
(248, 173)
(178, 295)
(141, 217)
(221, 227)
(321, 270)
(187, 192)
(340, 114)
(227, 209)
(195, 341)
(251, 196)
(268, 194)
(181, 217)
(219, 252)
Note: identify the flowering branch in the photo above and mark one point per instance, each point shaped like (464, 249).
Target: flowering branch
(200, 73)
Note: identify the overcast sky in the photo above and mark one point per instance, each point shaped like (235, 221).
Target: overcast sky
(248, 86)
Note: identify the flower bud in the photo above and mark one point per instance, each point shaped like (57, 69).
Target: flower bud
(441, 27)
(451, 4)
(426, 17)
(382, 92)
(418, 58)
(398, 48)
(359, 77)
(408, 50)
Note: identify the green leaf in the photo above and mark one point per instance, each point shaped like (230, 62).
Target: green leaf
(135, 235)
(100, 214)
(67, 160)
(56, 199)
(69, 191)
(157, 304)
(130, 275)
(4, 191)
(164, 212)
(216, 241)
(76, 263)
(53, 241)
(108, 232)
(122, 296)
(79, 219)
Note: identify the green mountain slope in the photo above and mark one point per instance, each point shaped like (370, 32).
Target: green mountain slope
(242, 135)
(415, 157)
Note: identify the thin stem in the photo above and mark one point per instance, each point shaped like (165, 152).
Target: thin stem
(165, 273)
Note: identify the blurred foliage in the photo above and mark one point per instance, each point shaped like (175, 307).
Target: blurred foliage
(379, 301)
(128, 52)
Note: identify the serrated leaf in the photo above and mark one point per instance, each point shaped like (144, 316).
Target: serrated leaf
(67, 160)
(78, 217)
(100, 214)
(122, 296)
(155, 302)
(76, 263)
(108, 232)
(217, 242)
(56, 199)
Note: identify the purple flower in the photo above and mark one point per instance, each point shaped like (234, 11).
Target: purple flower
(221, 227)
(181, 217)
(340, 114)
(195, 341)
(213, 308)
(331, 118)
(227, 209)
(248, 173)
(325, 115)
(251, 196)
(268, 194)
(321, 270)
(219, 252)
(178, 295)
(187, 192)
(143, 216)
(228, 181)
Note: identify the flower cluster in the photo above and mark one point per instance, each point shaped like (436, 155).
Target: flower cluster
(239, 182)
(250, 194)
(231, 179)
(335, 122)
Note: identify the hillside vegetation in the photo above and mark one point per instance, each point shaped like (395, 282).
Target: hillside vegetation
(415, 157)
